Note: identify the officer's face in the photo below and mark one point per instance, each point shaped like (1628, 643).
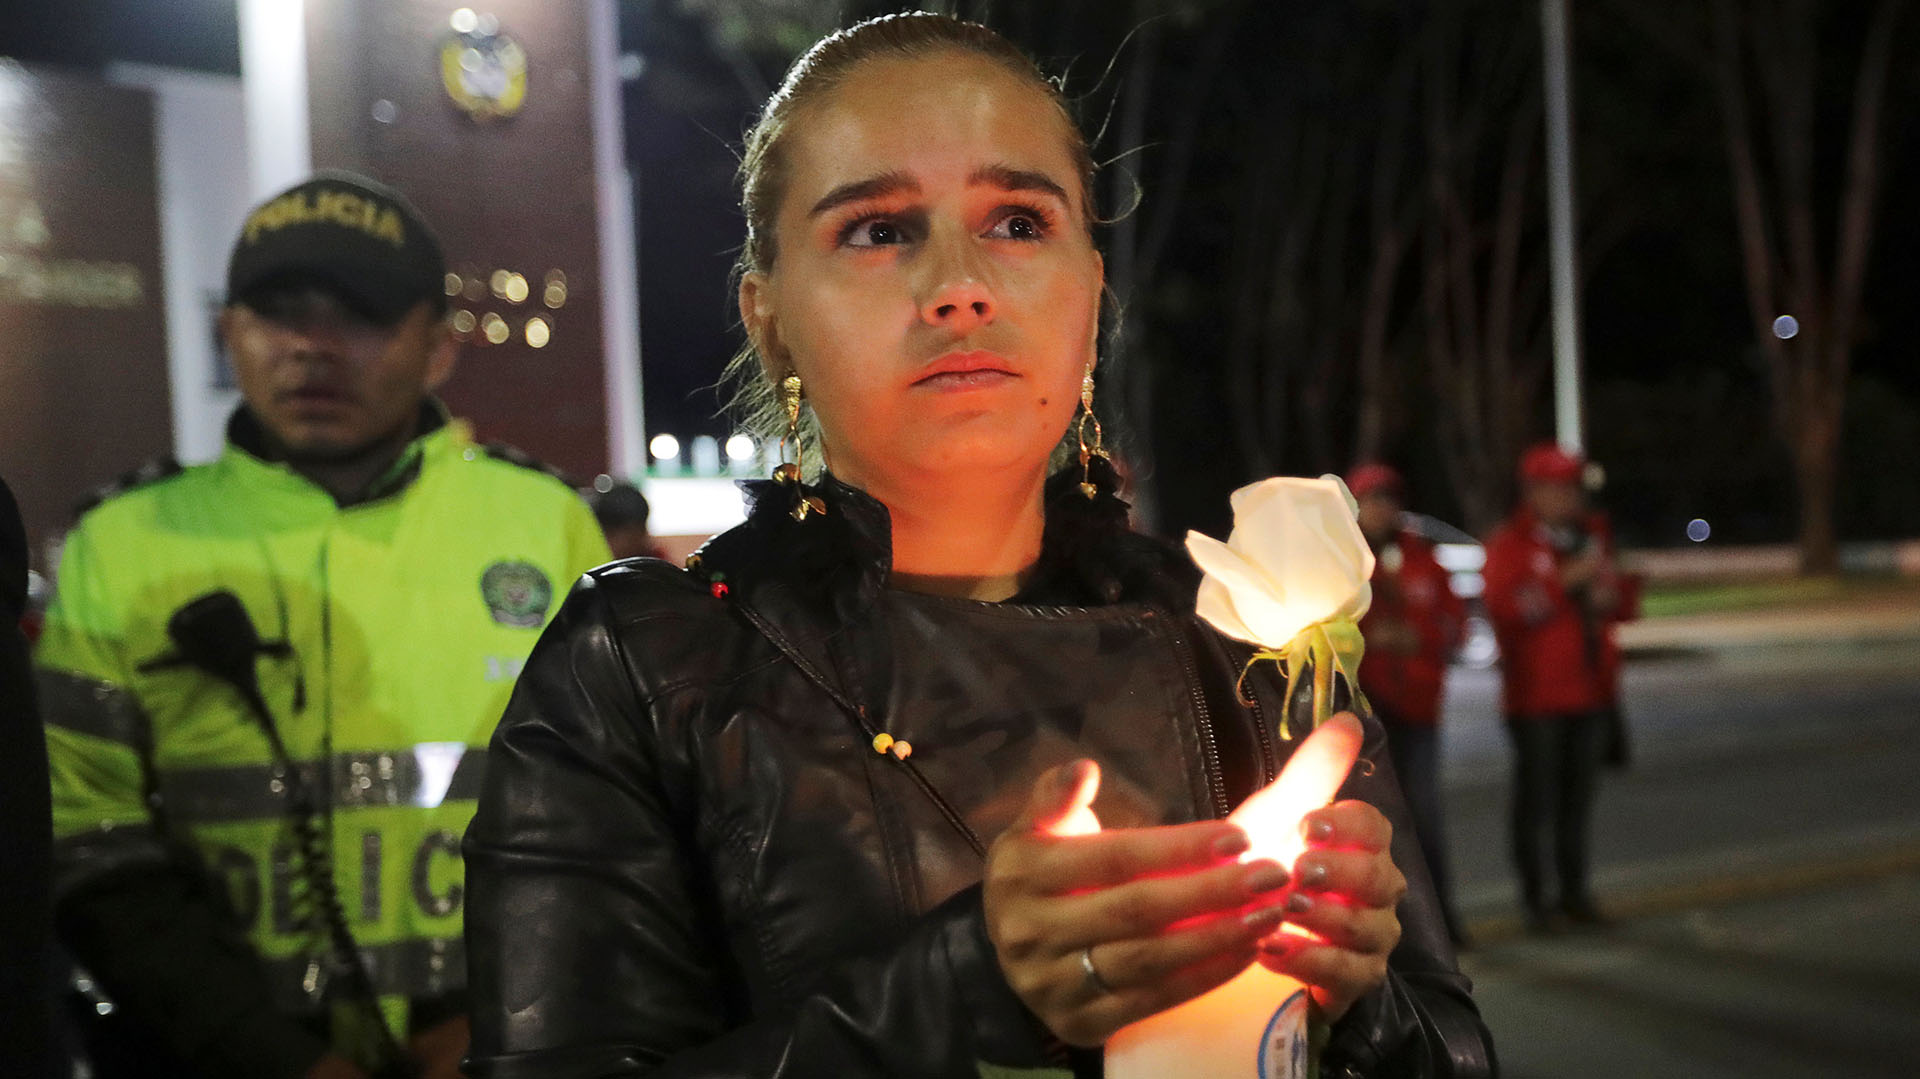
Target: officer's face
(325, 382)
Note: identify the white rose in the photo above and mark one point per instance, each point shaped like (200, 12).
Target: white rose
(1295, 558)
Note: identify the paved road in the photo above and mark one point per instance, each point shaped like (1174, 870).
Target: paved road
(1823, 983)
(1764, 856)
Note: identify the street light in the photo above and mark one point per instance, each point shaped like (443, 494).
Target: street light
(1567, 420)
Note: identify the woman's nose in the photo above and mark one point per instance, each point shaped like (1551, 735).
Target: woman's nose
(960, 305)
(958, 297)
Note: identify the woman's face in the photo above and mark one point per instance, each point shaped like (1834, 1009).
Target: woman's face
(935, 287)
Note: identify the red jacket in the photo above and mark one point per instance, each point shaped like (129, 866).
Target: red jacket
(1418, 593)
(1557, 658)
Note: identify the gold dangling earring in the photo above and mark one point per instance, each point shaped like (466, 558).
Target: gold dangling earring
(1099, 448)
(791, 472)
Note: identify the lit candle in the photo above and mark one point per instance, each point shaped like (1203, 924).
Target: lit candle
(1256, 1024)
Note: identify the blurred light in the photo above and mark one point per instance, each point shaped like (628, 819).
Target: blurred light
(498, 282)
(454, 284)
(603, 483)
(384, 111)
(516, 289)
(740, 448)
(1698, 530)
(631, 66)
(464, 322)
(538, 332)
(463, 20)
(494, 328)
(664, 448)
(435, 763)
(1594, 476)
(706, 455)
(1786, 326)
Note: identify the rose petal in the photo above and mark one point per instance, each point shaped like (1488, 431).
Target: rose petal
(1353, 504)
(1300, 536)
(1215, 605)
(1273, 619)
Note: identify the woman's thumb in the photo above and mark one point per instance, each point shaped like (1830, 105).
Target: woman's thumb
(1062, 799)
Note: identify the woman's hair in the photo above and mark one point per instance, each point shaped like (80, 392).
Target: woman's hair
(817, 72)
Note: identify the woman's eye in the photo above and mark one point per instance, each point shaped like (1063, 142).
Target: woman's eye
(1020, 225)
(872, 232)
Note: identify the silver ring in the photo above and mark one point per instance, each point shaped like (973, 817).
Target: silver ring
(1091, 973)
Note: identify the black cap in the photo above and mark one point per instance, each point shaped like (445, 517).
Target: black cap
(619, 505)
(357, 238)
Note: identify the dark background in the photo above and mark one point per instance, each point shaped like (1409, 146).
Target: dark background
(1677, 398)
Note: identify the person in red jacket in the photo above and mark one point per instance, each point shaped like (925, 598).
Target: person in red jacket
(1554, 595)
(1411, 631)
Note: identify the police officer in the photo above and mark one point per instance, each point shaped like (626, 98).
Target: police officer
(258, 797)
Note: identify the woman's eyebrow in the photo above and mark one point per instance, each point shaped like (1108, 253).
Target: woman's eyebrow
(1008, 178)
(887, 183)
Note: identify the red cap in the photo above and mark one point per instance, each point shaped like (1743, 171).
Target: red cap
(1369, 478)
(1548, 463)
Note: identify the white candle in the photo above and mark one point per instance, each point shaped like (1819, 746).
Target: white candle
(1255, 1026)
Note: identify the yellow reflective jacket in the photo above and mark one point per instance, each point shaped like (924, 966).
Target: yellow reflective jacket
(405, 618)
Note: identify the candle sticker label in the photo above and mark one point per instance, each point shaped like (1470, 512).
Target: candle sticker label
(1283, 1045)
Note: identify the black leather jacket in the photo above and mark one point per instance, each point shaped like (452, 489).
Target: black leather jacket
(690, 861)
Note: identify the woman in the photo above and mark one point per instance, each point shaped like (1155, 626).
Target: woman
(737, 818)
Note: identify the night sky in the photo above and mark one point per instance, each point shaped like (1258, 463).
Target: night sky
(1677, 400)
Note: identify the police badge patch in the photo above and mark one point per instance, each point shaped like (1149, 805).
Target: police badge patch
(517, 594)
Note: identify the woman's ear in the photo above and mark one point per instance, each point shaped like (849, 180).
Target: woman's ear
(756, 314)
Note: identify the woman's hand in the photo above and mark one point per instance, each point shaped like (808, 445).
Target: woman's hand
(1164, 914)
(1345, 890)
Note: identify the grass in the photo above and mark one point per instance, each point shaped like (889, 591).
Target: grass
(1668, 600)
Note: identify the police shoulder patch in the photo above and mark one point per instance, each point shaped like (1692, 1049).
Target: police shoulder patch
(514, 455)
(148, 472)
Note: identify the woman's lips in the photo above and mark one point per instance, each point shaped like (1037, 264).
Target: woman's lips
(966, 371)
(955, 381)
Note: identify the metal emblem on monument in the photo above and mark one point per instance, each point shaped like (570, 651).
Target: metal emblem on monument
(484, 70)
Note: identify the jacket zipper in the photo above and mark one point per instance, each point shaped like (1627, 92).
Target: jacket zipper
(1209, 744)
(1269, 759)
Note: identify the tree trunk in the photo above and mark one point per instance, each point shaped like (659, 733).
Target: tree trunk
(1816, 466)
(1778, 246)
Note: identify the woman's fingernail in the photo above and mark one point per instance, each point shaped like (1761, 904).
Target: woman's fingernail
(1232, 844)
(1318, 830)
(1279, 945)
(1266, 878)
(1313, 874)
(1299, 903)
(1263, 917)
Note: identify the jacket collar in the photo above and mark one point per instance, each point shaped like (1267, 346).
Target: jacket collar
(247, 446)
(810, 579)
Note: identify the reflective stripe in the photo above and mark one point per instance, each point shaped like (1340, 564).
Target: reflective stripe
(80, 860)
(76, 702)
(408, 968)
(243, 792)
